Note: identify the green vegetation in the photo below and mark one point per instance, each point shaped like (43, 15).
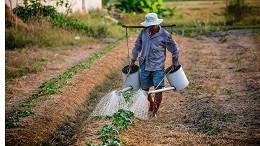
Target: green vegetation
(46, 28)
(237, 10)
(222, 39)
(36, 10)
(25, 67)
(197, 17)
(212, 131)
(109, 135)
(42, 34)
(128, 94)
(191, 20)
(140, 6)
(210, 117)
(227, 91)
(217, 75)
(184, 0)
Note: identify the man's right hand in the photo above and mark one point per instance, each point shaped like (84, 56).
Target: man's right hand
(132, 64)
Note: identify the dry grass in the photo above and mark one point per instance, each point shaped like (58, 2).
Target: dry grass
(184, 116)
(188, 5)
(208, 71)
(206, 107)
(63, 107)
(41, 33)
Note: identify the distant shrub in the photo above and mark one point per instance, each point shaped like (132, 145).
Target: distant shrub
(37, 10)
(237, 10)
(141, 6)
(104, 3)
(14, 39)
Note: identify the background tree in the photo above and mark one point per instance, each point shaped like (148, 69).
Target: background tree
(237, 10)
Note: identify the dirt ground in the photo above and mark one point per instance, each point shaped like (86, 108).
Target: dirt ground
(219, 107)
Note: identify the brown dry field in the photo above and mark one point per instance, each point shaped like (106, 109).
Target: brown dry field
(212, 68)
(188, 5)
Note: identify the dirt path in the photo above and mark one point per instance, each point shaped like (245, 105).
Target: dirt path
(222, 99)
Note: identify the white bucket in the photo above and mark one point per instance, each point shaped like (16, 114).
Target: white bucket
(177, 79)
(133, 79)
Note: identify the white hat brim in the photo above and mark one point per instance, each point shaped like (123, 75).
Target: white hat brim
(157, 22)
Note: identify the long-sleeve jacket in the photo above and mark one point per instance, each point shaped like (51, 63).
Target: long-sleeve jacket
(154, 49)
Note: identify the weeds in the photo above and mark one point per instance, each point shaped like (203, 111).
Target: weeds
(40, 33)
(227, 91)
(247, 67)
(222, 39)
(212, 131)
(217, 75)
(23, 67)
(208, 116)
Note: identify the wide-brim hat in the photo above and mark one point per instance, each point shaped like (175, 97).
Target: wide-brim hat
(151, 19)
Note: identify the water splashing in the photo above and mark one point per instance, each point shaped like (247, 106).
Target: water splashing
(139, 106)
(114, 101)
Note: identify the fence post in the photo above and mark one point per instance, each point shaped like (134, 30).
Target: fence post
(182, 33)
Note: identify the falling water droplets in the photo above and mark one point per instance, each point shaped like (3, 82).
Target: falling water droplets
(114, 101)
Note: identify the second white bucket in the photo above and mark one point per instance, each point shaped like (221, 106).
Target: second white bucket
(177, 79)
(133, 79)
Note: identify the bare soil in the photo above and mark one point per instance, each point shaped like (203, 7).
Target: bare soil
(219, 107)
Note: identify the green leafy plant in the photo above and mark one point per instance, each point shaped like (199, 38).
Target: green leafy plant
(171, 10)
(98, 117)
(34, 8)
(122, 119)
(109, 134)
(11, 121)
(128, 94)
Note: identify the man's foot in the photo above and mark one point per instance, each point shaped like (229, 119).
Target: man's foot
(154, 114)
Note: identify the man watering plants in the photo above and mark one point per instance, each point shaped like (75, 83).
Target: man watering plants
(152, 43)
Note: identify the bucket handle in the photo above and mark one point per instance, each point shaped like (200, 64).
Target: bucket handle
(162, 79)
(129, 68)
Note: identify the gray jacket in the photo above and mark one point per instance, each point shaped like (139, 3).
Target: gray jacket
(154, 49)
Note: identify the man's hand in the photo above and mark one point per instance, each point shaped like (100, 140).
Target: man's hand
(132, 64)
(175, 67)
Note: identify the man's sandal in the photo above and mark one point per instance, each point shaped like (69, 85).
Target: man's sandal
(154, 115)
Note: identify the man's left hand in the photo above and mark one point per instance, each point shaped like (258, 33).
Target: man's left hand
(175, 67)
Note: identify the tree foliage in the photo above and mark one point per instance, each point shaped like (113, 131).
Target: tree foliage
(141, 6)
(237, 10)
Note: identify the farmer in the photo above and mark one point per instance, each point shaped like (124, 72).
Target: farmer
(152, 43)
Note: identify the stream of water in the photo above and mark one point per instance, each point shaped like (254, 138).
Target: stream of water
(114, 101)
